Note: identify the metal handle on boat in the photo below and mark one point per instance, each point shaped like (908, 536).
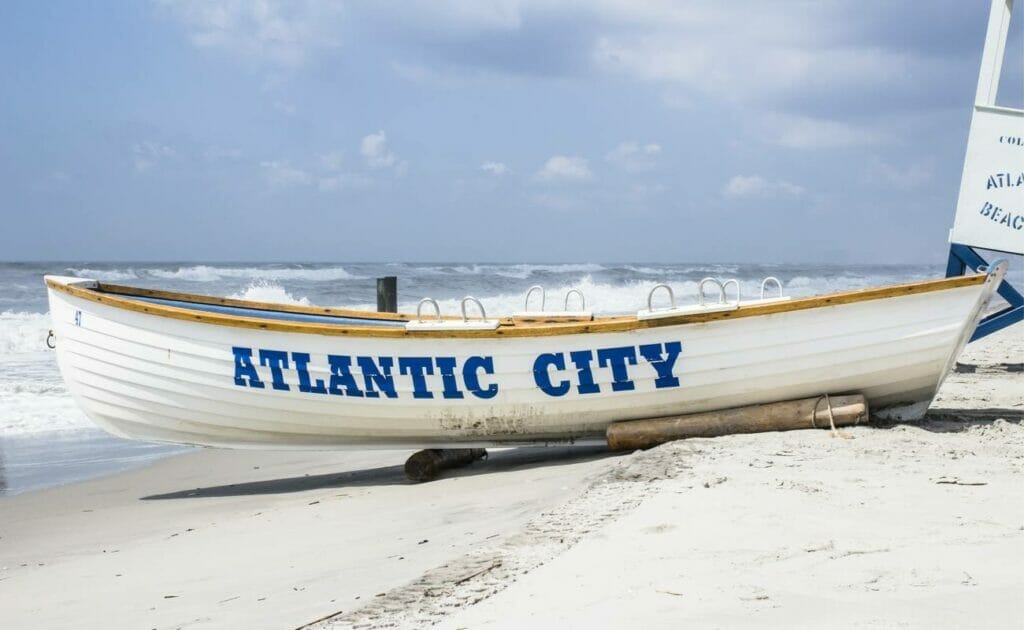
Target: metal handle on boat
(671, 296)
(764, 285)
(529, 292)
(470, 298)
(583, 300)
(437, 309)
(721, 290)
(725, 288)
(51, 340)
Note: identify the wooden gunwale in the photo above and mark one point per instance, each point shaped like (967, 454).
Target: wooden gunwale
(117, 296)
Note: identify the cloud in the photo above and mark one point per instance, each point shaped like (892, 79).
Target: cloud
(495, 168)
(280, 33)
(757, 186)
(801, 132)
(334, 177)
(562, 168)
(752, 54)
(459, 16)
(908, 178)
(332, 161)
(633, 157)
(283, 174)
(825, 61)
(147, 155)
(374, 148)
(328, 172)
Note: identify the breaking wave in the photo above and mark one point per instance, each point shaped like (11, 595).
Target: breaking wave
(208, 273)
(213, 273)
(108, 275)
(23, 332)
(517, 271)
(263, 291)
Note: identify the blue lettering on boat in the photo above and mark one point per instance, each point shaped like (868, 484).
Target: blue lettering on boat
(554, 373)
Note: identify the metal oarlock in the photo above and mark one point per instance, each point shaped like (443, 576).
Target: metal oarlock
(583, 300)
(419, 309)
(529, 292)
(764, 285)
(671, 296)
(440, 323)
(725, 289)
(470, 298)
(721, 290)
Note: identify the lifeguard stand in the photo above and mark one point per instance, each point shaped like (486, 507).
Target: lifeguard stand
(990, 209)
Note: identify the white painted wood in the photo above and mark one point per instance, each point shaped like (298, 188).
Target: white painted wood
(994, 51)
(154, 378)
(675, 311)
(452, 324)
(990, 207)
(553, 315)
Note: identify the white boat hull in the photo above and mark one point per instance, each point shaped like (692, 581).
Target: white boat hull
(158, 378)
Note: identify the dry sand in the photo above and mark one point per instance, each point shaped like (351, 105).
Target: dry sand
(901, 526)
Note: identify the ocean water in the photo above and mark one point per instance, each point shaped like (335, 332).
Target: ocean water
(46, 439)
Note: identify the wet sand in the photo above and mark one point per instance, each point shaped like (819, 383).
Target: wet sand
(901, 526)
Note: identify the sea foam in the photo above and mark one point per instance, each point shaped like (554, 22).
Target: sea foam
(23, 332)
(209, 273)
(263, 291)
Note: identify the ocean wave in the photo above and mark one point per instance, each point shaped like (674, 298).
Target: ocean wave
(711, 269)
(263, 291)
(526, 270)
(517, 271)
(35, 387)
(648, 271)
(23, 332)
(802, 286)
(197, 273)
(108, 275)
(26, 413)
(210, 273)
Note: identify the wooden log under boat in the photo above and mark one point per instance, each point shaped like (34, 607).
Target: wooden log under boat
(819, 412)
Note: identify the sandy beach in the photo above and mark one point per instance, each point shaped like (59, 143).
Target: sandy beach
(908, 526)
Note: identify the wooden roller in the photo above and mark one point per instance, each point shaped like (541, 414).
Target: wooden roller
(427, 465)
(781, 416)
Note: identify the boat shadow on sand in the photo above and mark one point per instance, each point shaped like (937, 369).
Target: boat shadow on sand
(955, 420)
(952, 420)
(937, 421)
(497, 461)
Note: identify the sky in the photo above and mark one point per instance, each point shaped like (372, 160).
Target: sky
(509, 130)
